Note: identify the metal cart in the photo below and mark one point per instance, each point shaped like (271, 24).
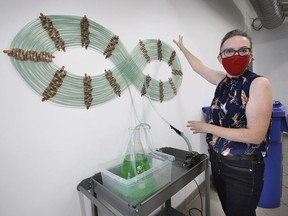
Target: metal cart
(182, 173)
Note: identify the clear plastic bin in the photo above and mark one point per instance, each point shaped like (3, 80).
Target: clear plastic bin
(138, 188)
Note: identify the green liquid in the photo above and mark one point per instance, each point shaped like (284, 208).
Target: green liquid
(143, 187)
(128, 169)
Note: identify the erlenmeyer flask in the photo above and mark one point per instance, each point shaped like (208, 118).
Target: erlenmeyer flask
(135, 161)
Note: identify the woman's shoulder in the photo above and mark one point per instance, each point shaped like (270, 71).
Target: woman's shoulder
(261, 87)
(257, 79)
(261, 81)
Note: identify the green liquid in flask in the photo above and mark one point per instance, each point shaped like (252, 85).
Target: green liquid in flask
(141, 188)
(128, 170)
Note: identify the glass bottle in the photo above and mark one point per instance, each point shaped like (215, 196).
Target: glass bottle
(135, 160)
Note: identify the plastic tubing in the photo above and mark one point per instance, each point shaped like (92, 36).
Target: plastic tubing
(38, 75)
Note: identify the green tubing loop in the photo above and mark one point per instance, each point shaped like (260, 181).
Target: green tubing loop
(128, 68)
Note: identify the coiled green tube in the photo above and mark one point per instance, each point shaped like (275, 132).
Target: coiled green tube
(128, 67)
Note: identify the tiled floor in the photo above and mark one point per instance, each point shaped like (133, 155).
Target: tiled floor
(215, 205)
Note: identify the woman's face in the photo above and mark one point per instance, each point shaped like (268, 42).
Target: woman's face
(235, 55)
(235, 43)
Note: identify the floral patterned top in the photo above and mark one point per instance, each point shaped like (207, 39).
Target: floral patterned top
(228, 110)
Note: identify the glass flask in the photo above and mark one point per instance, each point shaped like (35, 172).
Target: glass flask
(135, 160)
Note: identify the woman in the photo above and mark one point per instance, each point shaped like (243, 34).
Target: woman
(239, 120)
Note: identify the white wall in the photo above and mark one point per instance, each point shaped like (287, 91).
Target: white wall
(271, 59)
(270, 50)
(46, 149)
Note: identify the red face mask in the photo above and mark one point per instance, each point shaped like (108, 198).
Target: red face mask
(236, 65)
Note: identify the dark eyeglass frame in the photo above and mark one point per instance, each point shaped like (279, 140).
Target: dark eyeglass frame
(236, 51)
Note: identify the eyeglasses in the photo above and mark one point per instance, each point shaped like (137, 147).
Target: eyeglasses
(231, 52)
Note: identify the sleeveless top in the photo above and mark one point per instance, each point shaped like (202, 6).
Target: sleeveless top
(228, 110)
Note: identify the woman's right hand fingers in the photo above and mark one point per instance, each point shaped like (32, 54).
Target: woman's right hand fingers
(179, 43)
